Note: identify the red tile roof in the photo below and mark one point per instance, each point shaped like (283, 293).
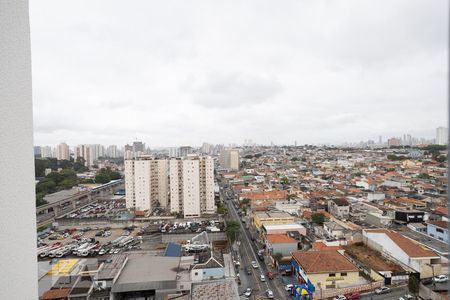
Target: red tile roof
(323, 261)
(442, 210)
(441, 224)
(269, 195)
(280, 239)
(411, 248)
(55, 294)
(323, 246)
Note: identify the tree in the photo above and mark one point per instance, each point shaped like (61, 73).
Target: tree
(222, 209)
(318, 218)
(441, 158)
(284, 180)
(244, 202)
(102, 178)
(413, 285)
(232, 230)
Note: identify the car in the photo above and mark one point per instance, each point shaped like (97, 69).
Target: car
(270, 275)
(426, 281)
(262, 278)
(248, 270)
(248, 292)
(441, 278)
(269, 294)
(254, 265)
(288, 287)
(353, 296)
(406, 297)
(340, 297)
(382, 290)
(237, 263)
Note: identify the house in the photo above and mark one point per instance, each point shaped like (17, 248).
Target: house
(340, 208)
(334, 230)
(325, 269)
(280, 243)
(284, 229)
(409, 216)
(402, 250)
(438, 230)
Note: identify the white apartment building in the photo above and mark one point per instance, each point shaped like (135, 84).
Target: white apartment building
(62, 152)
(90, 153)
(441, 135)
(146, 183)
(46, 151)
(192, 186)
(229, 159)
(112, 152)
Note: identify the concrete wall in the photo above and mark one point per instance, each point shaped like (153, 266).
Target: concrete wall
(18, 222)
(213, 236)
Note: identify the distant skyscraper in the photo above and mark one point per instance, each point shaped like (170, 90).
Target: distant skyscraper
(394, 142)
(174, 152)
(185, 150)
(46, 151)
(380, 140)
(112, 152)
(37, 151)
(229, 159)
(62, 152)
(441, 135)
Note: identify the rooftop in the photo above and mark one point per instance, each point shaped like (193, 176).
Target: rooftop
(440, 224)
(280, 239)
(63, 195)
(323, 261)
(272, 214)
(221, 289)
(411, 248)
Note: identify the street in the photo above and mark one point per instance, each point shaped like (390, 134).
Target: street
(248, 253)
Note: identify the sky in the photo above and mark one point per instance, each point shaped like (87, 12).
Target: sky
(174, 73)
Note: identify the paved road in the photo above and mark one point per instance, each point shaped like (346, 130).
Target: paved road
(393, 295)
(248, 253)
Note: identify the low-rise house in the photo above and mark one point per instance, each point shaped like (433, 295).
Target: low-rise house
(334, 230)
(325, 269)
(379, 220)
(340, 208)
(438, 230)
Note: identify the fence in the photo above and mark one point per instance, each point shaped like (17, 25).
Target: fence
(323, 294)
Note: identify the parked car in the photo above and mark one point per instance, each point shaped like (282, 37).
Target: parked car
(288, 287)
(248, 270)
(382, 290)
(269, 294)
(340, 297)
(248, 292)
(427, 281)
(441, 278)
(262, 278)
(353, 296)
(406, 297)
(254, 265)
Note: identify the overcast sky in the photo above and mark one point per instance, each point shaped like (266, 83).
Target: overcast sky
(185, 72)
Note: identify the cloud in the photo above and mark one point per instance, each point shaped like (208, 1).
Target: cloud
(174, 73)
(232, 90)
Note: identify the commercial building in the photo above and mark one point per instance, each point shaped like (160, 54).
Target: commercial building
(146, 183)
(192, 186)
(280, 243)
(62, 152)
(403, 250)
(271, 218)
(229, 159)
(441, 135)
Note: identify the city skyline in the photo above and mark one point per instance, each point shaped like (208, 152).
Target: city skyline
(226, 72)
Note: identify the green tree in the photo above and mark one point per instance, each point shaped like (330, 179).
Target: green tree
(222, 209)
(232, 230)
(102, 178)
(441, 158)
(244, 202)
(285, 180)
(318, 218)
(413, 285)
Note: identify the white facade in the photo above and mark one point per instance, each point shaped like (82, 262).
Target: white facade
(192, 186)
(146, 183)
(46, 151)
(112, 152)
(62, 152)
(441, 135)
(229, 159)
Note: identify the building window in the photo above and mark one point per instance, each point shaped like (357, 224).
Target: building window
(332, 274)
(196, 273)
(343, 274)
